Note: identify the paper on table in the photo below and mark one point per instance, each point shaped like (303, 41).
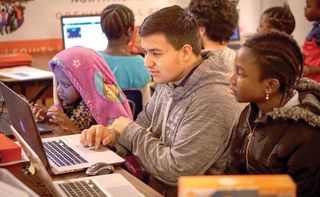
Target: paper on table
(25, 73)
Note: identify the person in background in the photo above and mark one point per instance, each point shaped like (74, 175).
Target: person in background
(279, 132)
(217, 20)
(279, 18)
(85, 92)
(187, 123)
(311, 46)
(117, 22)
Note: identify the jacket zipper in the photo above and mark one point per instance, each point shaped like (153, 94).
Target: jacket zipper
(251, 132)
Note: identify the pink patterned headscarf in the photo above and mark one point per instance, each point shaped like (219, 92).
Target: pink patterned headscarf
(95, 82)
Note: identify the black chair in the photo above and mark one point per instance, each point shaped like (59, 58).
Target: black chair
(135, 100)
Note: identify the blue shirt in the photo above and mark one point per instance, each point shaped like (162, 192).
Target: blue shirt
(315, 33)
(129, 71)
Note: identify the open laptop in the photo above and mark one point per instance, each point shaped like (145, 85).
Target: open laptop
(104, 185)
(5, 121)
(58, 154)
(83, 30)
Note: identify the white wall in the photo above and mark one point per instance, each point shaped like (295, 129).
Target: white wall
(302, 25)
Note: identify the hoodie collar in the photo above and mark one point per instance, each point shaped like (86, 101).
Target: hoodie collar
(309, 107)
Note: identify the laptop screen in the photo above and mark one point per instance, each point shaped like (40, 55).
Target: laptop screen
(83, 30)
(236, 35)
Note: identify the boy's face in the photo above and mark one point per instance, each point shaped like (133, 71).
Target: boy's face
(312, 10)
(164, 63)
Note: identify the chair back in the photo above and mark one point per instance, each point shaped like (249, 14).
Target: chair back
(135, 100)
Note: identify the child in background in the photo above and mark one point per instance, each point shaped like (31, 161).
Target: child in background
(217, 20)
(279, 132)
(117, 22)
(311, 46)
(279, 18)
(85, 90)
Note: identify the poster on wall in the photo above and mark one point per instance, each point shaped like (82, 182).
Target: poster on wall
(33, 26)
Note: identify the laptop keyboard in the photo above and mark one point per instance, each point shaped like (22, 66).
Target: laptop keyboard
(61, 154)
(82, 188)
(5, 123)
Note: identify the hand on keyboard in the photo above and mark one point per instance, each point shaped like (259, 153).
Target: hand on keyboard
(39, 112)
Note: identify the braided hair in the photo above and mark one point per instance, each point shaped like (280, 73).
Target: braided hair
(116, 19)
(219, 17)
(278, 56)
(280, 18)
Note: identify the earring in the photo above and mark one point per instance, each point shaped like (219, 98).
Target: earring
(267, 96)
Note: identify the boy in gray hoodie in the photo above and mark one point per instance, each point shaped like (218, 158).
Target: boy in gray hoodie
(186, 125)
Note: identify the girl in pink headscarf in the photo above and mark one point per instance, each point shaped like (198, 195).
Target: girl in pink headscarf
(85, 92)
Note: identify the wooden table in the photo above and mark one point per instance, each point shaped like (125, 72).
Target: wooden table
(34, 89)
(35, 183)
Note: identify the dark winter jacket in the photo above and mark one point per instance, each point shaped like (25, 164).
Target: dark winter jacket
(285, 141)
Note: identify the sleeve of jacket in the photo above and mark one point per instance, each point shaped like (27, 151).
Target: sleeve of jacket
(143, 120)
(200, 139)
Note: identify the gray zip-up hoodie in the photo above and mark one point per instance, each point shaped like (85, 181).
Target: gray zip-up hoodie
(184, 130)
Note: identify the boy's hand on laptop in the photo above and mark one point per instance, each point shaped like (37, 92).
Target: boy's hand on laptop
(97, 135)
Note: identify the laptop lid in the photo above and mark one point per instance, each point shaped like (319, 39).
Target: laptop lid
(22, 120)
(112, 184)
(83, 30)
(36, 163)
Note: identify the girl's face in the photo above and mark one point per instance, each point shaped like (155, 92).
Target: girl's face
(312, 10)
(244, 81)
(264, 25)
(65, 90)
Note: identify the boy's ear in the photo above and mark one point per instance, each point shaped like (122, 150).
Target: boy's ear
(186, 51)
(202, 30)
(271, 85)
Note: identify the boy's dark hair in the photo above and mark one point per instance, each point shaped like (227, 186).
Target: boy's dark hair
(178, 27)
(116, 19)
(278, 56)
(219, 17)
(281, 18)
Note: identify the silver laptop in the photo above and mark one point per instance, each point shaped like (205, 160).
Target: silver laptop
(58, 154)
(99, 186)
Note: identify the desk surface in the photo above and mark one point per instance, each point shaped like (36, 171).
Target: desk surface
(36, 88)
(34, 183)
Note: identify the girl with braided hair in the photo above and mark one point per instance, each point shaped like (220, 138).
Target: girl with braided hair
(279, 18)
(279, 131)
(117, 22)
